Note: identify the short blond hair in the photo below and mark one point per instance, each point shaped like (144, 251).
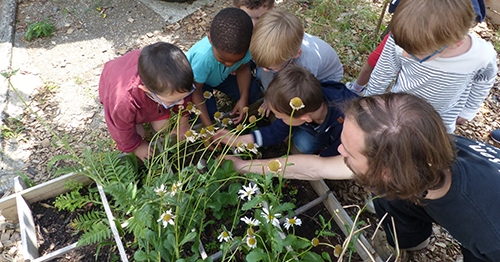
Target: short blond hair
(424, 26)
(276, 38)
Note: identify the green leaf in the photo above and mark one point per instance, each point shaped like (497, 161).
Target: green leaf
(187, 238)
(311, 256)
(140, 256)
(256, 255)
(326, 256)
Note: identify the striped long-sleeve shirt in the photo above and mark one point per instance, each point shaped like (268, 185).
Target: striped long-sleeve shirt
(455, 86)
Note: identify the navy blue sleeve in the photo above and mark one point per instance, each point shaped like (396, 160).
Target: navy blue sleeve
(272, 134)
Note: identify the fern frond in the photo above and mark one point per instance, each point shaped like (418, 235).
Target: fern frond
(86, 221)
(98, 233)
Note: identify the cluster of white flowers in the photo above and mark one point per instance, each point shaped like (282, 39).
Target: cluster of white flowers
(205, 132)
(162, 190)
(242, 147)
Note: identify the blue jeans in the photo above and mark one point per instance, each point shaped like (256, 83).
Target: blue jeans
(230, 88)
(307, 143)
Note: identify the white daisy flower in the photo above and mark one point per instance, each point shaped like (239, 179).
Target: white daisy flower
(211, 130)
(240, 147)
(175, 188)
(181, 107)
(207, 95)
(292, 222)
(167, 218)
(225, 236)
(248, 191)
(161, 190)
(296, 103)
(250, 221)
(252, 148)
(271, 218)
(191, 136)
(251, 241)
(226, 122)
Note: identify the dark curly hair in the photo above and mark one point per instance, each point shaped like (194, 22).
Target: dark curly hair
(231, 31)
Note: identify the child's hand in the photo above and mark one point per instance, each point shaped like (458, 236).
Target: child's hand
(144, 152)
(266, 110)
(461, 120)
(238, 110)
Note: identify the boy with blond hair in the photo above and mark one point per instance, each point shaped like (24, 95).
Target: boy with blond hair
(279, 39)
(316, 127)
(437, 59)
(215, 57)
(144, 86)
(254, 8)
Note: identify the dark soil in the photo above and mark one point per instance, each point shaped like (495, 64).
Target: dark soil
(54, 232)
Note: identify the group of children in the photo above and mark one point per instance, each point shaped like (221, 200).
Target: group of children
(427, 53)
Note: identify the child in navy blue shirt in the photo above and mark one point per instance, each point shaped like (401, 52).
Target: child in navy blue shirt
(316, 127)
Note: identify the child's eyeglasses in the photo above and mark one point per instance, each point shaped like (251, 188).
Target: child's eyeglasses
(155, 98)
(429, 56)
(276, 71)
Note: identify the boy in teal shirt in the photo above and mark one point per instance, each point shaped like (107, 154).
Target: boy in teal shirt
(215, 57)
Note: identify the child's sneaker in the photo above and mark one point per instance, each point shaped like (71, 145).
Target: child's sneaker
(495, 135)
(355, 88)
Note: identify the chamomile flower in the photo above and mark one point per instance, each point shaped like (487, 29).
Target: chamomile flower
(161, 190)
(252, 147)
(207, 95)
(167, 218)
(274, 166)
(197, 112)
(296, 103)
(211, 130)
(240, 147)
(181, 107)
(248, 191)
(245, 109)
(250, 221)
(226, 122)
(175, 188)
(225, 236)
(191, 108)
(239, 127)
(292, 222)
(252, 119)
(315, 242)
(260, 111)
(251, 241)
(191, 136)
(203, 133)
(271, 218)
(218, 116)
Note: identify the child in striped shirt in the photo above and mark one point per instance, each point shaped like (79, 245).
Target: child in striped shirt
(433, 56)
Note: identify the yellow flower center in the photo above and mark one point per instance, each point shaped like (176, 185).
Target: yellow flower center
(245, 109)
(210, 129)
(250, 146)
(252, 241)
(225, 234)
(239, 127)
(291, 221)
(274, 165)
(207, 95)
(203, 131)
(189, 133)
(297, 102)
(239, 144)
(315, 242)
(167, 217)
(218, 114)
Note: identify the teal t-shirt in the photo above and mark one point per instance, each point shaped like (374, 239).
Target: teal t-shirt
(206, 68)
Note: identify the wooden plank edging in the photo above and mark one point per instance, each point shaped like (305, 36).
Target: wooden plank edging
(51, 188)
(363, 247)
